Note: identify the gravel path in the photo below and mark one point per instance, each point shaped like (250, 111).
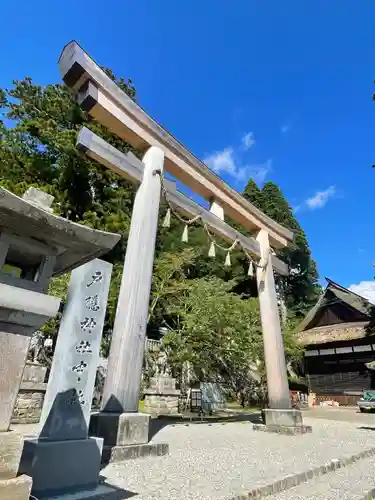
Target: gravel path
(349, 483)
(218, 461)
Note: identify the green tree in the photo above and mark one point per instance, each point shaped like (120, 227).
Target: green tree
(38, 149)
(301, 286)
(216, 331)
(210, 325)
(170, 282)
(219, 334)
(252, 193)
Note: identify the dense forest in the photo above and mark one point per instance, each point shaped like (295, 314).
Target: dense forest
(210, 310)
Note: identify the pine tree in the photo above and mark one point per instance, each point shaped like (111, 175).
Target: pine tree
(39, 150)
(252, 193)
(301, 286)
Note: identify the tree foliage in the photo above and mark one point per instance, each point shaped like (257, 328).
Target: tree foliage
(219, 334)
(213, 324)
(216, 331)
(301, 286)
(252, 193)
(38, 149)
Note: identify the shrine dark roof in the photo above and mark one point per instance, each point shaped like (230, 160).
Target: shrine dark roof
(339, 314)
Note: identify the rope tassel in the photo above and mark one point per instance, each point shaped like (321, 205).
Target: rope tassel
(212, 251)
(167, 219)
(250, 272)
(185, 237)
(227, 260)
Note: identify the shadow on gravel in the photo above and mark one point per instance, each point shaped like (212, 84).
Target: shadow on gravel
(157, 424)
(112, 492)
(366, 428)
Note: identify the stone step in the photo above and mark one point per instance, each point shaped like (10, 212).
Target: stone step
(354, 482)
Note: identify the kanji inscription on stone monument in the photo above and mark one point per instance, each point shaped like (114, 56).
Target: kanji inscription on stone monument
(67, 404)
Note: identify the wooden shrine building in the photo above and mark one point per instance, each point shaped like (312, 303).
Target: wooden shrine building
(338, 335)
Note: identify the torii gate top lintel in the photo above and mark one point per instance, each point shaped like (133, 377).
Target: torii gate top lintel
(106, 102)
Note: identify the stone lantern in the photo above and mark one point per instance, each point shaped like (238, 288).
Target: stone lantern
(34, 246)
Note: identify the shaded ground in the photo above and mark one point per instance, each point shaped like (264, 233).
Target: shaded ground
(221, 417)
(157, 424)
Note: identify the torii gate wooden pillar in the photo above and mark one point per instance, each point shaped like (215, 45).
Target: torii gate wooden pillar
(107, 103)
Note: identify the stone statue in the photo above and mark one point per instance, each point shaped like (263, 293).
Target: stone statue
(101, 374)
(162, 367)
(36, 344)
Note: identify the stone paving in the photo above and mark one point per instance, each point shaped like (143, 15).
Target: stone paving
(221, 461)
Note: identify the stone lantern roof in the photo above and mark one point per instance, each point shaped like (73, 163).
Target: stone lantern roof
(31, 217)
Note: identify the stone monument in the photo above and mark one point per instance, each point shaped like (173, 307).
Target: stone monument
(63, 458)
(162, 397)
(34, 245)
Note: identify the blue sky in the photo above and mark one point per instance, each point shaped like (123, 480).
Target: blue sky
(278, 90)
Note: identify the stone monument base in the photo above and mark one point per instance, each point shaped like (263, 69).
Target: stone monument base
(12, 487)
(162, 397)
(125, 435)
(59, 467)
(283, 422)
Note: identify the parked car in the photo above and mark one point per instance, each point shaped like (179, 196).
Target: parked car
(367, 402)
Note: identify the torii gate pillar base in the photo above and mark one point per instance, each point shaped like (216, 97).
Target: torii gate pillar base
(283, 422)
(126, 436)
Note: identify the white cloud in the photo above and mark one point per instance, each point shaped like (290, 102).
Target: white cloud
(320, 198)
(222, 162)
(365, 289)
(259, 172)
(225, 162)
(248, 141)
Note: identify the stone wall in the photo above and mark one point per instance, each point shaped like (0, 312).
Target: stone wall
(31, 395)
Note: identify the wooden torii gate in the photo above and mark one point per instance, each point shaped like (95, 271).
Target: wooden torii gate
(108, 104)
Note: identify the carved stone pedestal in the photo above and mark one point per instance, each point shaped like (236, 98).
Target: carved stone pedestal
(161, 398)
(126, 436)
(12, 487)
